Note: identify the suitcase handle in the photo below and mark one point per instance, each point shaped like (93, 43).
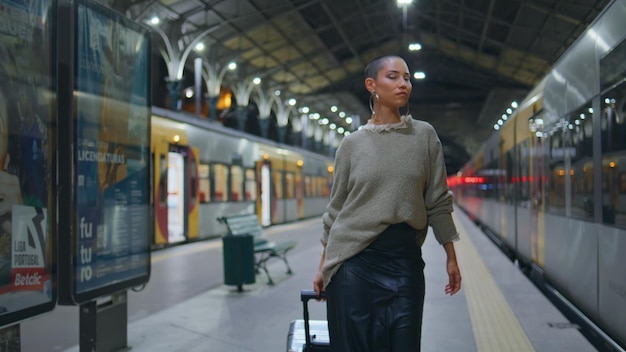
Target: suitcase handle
(305, 296)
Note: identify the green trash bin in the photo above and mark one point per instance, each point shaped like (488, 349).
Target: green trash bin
(238, 260)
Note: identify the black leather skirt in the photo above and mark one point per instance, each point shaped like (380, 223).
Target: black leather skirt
(375, 300)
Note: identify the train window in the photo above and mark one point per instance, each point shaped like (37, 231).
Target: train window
(290, 190)
(614, 156)
(220, 177)
(509, 194)
(578, 136)
(152, 180)
(299, 186)
(204, 183)
(250, 186)
(236, 183)
(612, 67)
(322, 186)
(555, 197)
(319, 186)
(314, 186)
(278, 184)
(194, 182)
(524, 170)
(328, 181)
(308, 186)
(163, 173)
(492, 182)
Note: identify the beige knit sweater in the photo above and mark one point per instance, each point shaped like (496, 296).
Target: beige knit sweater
(385, 174)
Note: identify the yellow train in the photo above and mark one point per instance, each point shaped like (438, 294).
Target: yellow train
(203, 170)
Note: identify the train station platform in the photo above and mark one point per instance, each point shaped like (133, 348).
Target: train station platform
(185, 306)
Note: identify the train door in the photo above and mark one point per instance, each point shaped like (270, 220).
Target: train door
(176, 187)
(193, 193)
(300, 191)
(175, 195)
(536, 183)
(264, 170)
(522, 201)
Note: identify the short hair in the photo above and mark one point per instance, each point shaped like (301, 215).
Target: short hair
(372, 69)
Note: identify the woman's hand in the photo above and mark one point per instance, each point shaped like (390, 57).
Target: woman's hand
(454, 278)
(454, 274)
(318, 284)
(318, 281)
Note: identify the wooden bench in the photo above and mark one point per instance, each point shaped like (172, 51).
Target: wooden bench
(264, 250)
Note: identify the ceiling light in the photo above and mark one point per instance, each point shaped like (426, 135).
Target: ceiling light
(232, 66)
(415, 46)
(199, 47)
(256, 80)
(154, 21)
(333, 108)
(419, 75)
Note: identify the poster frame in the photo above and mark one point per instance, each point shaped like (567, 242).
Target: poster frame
(68, 145)
(11, 318)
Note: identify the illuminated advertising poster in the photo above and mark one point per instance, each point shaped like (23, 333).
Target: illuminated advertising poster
(26, 114)
(112, 151)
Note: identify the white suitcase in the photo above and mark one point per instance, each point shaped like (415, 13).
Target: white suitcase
(317, 330)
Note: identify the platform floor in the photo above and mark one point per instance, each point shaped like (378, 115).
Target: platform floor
(185, 306)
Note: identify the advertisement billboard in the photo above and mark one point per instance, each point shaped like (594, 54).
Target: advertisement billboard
(112, 152)
(27, 116)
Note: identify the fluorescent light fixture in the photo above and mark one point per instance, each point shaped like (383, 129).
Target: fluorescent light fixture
(419, 75)
(415, 47)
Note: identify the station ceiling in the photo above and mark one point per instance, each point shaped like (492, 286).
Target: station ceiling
(477, 55)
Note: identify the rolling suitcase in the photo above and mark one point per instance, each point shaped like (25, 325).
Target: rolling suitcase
(308, 335)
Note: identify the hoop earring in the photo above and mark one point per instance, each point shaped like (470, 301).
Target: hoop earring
(372, 103)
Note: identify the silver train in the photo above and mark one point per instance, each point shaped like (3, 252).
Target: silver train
(550, 185)
(203, 170)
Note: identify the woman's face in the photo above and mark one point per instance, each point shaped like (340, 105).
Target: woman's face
(393, 83)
